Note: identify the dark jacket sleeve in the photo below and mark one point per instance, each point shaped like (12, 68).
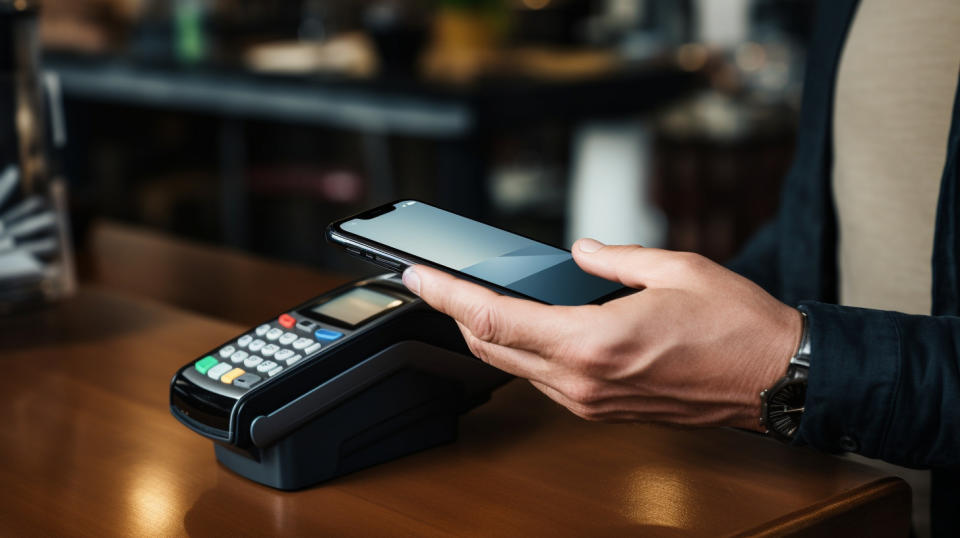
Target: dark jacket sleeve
(884, 384)
(759, 259)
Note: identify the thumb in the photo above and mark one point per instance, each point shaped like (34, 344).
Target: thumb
(631, 265)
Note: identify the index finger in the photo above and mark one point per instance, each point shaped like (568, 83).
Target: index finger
(491, 317)
(519, 362)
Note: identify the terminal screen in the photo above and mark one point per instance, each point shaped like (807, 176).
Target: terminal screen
(357, 305)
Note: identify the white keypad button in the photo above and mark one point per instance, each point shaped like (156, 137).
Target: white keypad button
(256, 345)
(262, 330)
(252, 361)
(302, 343)
(227, 351)
(287, 338)
(219, 370)
(244, 340)
(283, 355)
(274, 333)
(239, 356)
(311, 349)
(269, 350)
(275, 371)
(266, 366)
(293, 359)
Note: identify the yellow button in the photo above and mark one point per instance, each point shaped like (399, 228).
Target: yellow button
(231, 375)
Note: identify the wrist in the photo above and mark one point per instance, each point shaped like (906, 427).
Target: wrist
(782, 404)
(772, 364)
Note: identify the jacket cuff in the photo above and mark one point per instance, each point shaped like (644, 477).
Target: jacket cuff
(853, 378)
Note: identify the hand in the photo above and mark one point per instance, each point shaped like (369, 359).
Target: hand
(695, 346)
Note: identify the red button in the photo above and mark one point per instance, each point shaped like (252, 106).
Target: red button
(287, 320)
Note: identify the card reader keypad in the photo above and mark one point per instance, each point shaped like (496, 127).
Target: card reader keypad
(266, 351)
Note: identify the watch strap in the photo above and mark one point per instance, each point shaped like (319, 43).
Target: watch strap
(802, 356)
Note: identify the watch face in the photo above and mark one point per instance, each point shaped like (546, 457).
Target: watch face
(785, 408)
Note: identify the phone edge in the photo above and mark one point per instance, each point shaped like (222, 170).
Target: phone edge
(339, 237)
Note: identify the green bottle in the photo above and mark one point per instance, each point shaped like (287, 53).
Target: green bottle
(190, 43)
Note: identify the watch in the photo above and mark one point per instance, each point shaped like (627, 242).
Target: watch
(781, 406)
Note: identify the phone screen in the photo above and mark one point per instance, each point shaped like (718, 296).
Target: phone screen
(512, 261)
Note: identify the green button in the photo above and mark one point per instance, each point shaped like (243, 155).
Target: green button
(205, 364)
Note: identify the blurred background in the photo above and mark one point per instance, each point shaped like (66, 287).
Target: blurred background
(252, 124)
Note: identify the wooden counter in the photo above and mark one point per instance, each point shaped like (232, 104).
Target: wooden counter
(88, 447)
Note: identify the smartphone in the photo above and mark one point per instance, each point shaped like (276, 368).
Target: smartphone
(410, 232)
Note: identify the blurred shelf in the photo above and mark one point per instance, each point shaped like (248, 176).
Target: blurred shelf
(246, 95)
(376, 105)
(462, 119)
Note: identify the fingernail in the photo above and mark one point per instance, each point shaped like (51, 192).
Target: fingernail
(590, 245)
(411, 280)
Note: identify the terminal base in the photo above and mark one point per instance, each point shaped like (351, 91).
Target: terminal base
(404, 413)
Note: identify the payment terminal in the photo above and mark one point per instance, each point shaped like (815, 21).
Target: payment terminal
(357, 376)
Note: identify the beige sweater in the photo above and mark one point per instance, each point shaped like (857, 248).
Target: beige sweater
(893, 103)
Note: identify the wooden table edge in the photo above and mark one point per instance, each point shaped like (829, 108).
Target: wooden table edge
(807, 520)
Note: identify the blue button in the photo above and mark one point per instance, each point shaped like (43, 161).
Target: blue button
(326, 335)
